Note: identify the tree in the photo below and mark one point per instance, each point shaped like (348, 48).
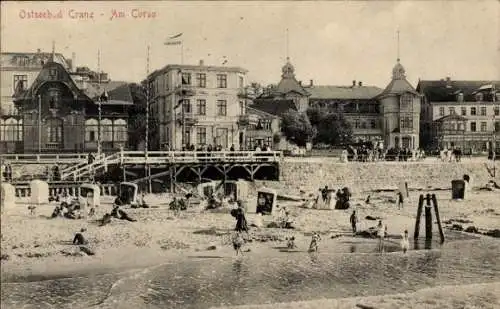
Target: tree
(137, 120)
(333, 129)
(297, 128)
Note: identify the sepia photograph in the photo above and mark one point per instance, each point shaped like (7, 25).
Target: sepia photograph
(250, 154)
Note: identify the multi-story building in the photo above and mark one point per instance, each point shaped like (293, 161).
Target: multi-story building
(460, 114)
(198, 105)
(390, 115)
(59, 112)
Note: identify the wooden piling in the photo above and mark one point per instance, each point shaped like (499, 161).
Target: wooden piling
(428, 218)
(419, 214)
(436, 210)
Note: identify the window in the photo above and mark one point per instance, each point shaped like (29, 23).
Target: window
(53, 74)
(186, 106)
(106, 130)
(221, 107)
(241, 82)
(187, 136)
(54, 98)
(464, 111)
(473, 111)
(406, 100)
(497, 126)
(452, 110)
(120, 130)
(373, 124)
(201, 107)
(406, 123)
(201, 135)
(473, 127)
(186, 78)
(11, 130)
(496, 110)
(483, 111)
(479, 97)
(483, 126)
(54, 130)
(441, 111)
(356, 124)
(363, 125)
(91, 130)
(460, 98)
(221, 81)
(24, 61)
(20, 82)
(221, 137)
(201, 80)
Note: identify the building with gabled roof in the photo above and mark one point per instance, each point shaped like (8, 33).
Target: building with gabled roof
(460, 114)
(56, 113)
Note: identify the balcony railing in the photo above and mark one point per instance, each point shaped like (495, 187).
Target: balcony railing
(186, 118)
(185, 90)
(243, 121)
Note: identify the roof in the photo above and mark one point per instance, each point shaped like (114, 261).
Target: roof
(34, 60)
(170, 67)
(287, 85)
(275, 107)
(259, 112)
(446, 90)
(398, 86)
(115, 90)
(344, 92)
(451, 117)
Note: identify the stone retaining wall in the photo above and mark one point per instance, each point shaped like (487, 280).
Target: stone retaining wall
(310, 176)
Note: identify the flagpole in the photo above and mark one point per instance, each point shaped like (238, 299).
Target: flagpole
(182, 52)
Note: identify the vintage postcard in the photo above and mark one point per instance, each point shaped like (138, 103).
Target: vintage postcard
(250, 154)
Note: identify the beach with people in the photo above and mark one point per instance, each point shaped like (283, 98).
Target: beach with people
(38, 246)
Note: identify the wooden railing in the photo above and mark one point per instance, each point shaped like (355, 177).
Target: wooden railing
(168, 157)
(45, 158)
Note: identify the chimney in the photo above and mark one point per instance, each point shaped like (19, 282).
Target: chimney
(360, 84)
(202, 63)
(311, 83)
(354, 83)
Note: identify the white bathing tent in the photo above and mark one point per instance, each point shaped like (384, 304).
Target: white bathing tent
(8, 193)
(39, 192)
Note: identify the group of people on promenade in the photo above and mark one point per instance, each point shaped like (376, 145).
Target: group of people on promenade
(213, 148)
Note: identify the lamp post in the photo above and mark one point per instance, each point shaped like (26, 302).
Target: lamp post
(39, 123)
(99, 142)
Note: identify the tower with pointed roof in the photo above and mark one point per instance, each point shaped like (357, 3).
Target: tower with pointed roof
(400, 104)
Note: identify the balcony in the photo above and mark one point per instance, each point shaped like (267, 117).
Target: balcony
(243, 121)
(187, 119)
(185, 91)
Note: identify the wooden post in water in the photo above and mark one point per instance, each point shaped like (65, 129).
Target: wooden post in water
(419, 214)
(428, 217)
(436, 210)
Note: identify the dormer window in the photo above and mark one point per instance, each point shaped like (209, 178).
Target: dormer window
(496, 97)
(54, 99)
(479, 97)
(460, 98)
(24, 61)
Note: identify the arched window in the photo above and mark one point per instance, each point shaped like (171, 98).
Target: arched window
(10, 133)
(120, 130)
(54, 130)
(20, 132)
(91, 127)
(107, 130)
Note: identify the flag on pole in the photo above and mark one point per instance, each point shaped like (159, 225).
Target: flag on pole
(174, 40)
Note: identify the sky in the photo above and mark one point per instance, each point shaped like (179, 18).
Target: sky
(331, 42)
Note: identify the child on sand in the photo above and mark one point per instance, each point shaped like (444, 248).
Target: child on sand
(354, 220)
(405, 242)
(238, 242)
(313, 246)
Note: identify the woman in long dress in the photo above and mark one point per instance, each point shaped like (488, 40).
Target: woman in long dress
(241, 221)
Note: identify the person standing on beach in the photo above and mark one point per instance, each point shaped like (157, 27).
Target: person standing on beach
(381, 231)
(405, 242)
(354, 220)
(314, 245)
(400, 200)
(241, 221)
